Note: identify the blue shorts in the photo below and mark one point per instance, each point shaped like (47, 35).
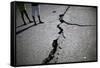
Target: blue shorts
(35, 9)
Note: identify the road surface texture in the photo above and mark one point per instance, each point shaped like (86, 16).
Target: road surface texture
(68, 34)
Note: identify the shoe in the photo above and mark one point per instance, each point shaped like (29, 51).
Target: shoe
(24, 24)
(40, 20)
(30, 21)
(34, 20)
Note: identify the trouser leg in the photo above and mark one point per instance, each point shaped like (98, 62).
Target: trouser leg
(22, 15)
(37, 9)
(27, 16)
(40, 19)
(34, 20)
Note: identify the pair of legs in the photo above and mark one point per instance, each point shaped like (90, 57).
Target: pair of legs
(35, 9)
(22, 15)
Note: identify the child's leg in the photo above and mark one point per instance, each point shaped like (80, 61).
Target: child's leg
(33, 14)
(37, 10)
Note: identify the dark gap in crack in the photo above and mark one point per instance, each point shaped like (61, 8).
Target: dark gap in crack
(52, 53)
(61, 30)
(62, 21)
(55, 46)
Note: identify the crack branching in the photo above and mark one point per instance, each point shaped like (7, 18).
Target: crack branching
(55, 44)
(63, 21)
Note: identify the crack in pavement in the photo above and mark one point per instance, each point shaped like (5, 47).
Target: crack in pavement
(61, 30)
(53, 51)
(55, 44)
(63, 21)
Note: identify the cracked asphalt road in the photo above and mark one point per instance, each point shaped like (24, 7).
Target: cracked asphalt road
(35, 43)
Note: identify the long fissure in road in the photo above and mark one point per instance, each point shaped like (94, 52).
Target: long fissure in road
(55, 43)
